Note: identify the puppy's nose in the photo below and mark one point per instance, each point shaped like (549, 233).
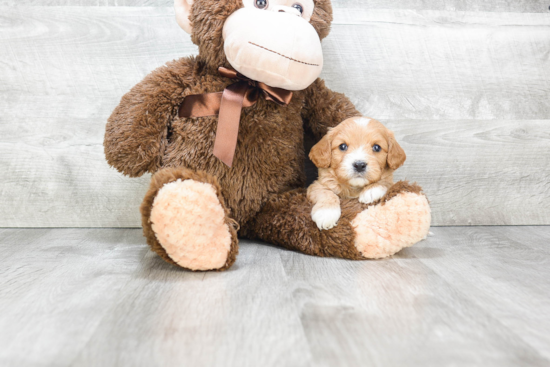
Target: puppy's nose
(359, 166)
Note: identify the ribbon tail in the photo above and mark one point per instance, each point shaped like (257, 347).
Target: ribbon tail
(227, 133)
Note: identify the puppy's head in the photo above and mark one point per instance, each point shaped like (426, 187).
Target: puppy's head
(358, 150)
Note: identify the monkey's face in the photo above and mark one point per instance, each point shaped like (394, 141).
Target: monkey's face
(273, 42)
(277, 42)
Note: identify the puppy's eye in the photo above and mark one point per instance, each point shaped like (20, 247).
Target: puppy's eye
(261, 4)
(343, 147)
(376, 148)
(298, 7)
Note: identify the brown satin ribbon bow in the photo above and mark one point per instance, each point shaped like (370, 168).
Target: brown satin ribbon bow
(228, 105)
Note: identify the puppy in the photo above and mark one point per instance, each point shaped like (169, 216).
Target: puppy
(356, 159)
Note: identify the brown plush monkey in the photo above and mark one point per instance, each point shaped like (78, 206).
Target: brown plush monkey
(197, 205)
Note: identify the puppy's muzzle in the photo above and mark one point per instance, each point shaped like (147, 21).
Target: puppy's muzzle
(359, 166)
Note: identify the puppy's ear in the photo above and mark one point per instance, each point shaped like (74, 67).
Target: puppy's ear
(183, 9)
(396, 154)
(321, 153)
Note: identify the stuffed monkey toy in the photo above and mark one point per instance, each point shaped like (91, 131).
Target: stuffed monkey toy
(223, 135)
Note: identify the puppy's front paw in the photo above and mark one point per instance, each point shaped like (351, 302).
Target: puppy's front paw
(326, 217)
(372, 195)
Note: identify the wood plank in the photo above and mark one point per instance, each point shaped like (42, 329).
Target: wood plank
(505, 277)
(479, 172)
(365, 310)
(112, 3)
(518, 6)
(243, 317)
(441, 65)
(54, 293)
(58, 85)
(439, 282)
(465, 296)
(535, 238)
(67, 67)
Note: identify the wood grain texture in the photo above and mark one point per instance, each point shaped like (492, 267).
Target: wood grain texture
(517, 6)
(479, 172)
(243, 317)
(500, 260)
(467, 296)
(441, 65)
(65, 72)
(475, 83)
(418, 293)
(58, 285)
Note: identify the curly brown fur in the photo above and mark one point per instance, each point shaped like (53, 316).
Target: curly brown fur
(168, 175)
(270, 151)
(322, 17)
(399, 187)
(144, 134)
(144, 137)
(286, 221)
(136, 131)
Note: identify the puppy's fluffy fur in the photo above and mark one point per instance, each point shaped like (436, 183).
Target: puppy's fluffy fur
(356, 159)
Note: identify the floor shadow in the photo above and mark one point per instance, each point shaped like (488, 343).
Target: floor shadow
(420, 253)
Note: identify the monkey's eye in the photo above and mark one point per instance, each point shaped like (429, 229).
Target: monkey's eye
(343, 147)
(298, 7)
(376, 148)
(261, 4)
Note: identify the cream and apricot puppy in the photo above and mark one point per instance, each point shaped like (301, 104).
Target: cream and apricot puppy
(356, 159)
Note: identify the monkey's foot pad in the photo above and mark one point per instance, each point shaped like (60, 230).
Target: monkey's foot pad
(189, 223)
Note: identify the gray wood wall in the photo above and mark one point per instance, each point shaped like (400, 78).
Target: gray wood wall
(465, 85)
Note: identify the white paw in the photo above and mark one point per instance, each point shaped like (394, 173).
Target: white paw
(326, 218)
(372, 195)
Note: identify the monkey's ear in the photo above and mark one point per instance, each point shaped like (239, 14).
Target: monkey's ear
(183, 9)
(321, 153)
(396, 154)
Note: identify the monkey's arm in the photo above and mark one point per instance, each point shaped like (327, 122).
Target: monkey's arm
(137, 128)
(324, 108)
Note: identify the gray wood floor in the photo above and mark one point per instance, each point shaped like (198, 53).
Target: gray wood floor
(467, 296)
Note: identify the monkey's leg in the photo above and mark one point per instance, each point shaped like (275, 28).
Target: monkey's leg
(400, 219)
(186, 222)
